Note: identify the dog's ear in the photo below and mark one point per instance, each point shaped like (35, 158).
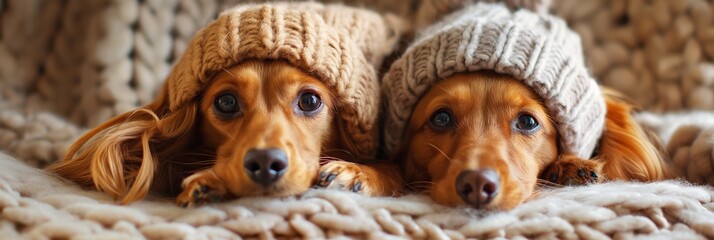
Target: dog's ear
(342, 145)
(627, 149)
(121, 156)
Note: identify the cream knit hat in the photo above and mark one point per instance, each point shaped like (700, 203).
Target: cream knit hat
(339, 45)
(537, 49)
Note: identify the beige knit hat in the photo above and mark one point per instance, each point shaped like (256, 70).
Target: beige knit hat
(339, 45)
(538, 49)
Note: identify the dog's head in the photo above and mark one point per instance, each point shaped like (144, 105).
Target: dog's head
(479, 139)
(268, 122)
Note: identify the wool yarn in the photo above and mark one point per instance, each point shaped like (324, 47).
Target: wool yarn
(431, 11)
(689, 141)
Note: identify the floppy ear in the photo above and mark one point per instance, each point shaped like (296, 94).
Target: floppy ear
(627, 149)
(121, 156)
(353, 151)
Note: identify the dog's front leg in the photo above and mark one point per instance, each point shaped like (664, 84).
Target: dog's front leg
(373, 179)
(201, 188)
(570, 170)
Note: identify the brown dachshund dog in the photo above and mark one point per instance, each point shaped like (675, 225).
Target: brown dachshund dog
(266, 100)
(483, 139)
(260, 128)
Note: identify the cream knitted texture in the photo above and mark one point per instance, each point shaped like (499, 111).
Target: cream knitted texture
(42, 207)
(431, 11)
(323, 40)
(689, 141)
(538, 49)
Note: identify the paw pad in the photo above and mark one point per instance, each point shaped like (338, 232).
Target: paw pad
(572, 172)
(201, 195)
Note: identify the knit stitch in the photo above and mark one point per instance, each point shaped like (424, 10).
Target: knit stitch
(537, 49)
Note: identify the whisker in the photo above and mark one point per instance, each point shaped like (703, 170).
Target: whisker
(429, 182)
(227, 134)
(330, 158)
(229, 73)
(348, 153)
(442, 152)
(207, 154)
(202, 163)
(421, 186)
(445, 91)
(545, 183)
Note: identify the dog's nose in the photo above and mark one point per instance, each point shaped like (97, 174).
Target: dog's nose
(477, 187)
(265, 166)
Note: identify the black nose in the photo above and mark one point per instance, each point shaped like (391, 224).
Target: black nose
(265, 166)
(477, 187)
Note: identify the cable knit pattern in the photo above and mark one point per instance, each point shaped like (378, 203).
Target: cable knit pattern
(538, 49)
(324, 40)
(25, 41)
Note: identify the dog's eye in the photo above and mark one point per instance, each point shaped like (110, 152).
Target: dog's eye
(226, 103)
(442, 119)
(309, 102)
(526, 123)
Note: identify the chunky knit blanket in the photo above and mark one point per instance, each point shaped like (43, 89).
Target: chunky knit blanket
(35, 205)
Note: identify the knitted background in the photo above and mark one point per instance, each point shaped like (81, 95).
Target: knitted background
(68, 65)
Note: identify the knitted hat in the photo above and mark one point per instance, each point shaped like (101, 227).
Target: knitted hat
(331, 42)
(430, 11)
(537, 49)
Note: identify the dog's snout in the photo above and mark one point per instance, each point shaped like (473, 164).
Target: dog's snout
(477, 187)
(265, 166)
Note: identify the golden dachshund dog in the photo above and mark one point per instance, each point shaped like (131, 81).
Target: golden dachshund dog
(266, 100)
(259, 128)
(483, 139)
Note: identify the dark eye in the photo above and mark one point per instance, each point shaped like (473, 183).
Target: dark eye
(442, 119)
(526, 123)
(226, 104)
(309, 102)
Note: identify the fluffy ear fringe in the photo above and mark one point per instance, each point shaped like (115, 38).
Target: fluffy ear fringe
(121, 156)
(627, 150)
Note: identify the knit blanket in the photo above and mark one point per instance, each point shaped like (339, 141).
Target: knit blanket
(35, 205)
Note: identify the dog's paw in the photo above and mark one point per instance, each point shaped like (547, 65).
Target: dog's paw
(201, 188)
(345, 176)
(573, 171)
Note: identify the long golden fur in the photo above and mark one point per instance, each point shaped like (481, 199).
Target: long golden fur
(489, 157)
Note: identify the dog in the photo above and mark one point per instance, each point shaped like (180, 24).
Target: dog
(259, 129)
(267, 100)
(486, 140)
